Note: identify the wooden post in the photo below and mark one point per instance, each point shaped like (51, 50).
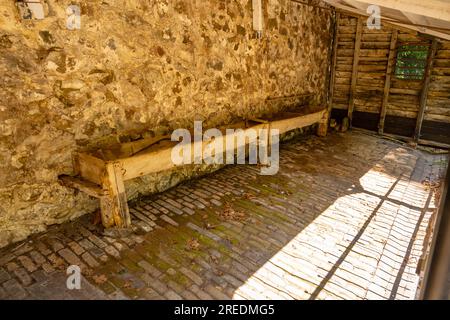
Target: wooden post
(333, 63)
(387, 84)
(424, 94)
(106, 210)
(355, 69)
(322, 128)
(114, 206)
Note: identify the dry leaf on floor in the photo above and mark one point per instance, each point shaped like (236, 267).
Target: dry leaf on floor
(229, 213)
(249, 196)
(88, 272)
(193, 244)
(214, 259)
(219, 273)
(99, 279)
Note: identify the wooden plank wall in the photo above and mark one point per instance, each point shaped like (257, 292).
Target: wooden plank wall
(373, 83)
(437, 115)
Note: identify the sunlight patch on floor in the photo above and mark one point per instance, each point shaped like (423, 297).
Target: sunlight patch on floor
(357, 248)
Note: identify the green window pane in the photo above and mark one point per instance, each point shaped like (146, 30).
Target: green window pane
(411, 61)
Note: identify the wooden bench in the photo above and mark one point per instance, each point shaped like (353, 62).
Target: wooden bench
(102, 174)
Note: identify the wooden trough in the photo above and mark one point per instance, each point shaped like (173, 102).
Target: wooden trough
(102, 174)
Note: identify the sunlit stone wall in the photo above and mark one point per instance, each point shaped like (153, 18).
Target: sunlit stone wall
(136, 69)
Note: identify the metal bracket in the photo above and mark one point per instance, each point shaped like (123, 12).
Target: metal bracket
(31, 9)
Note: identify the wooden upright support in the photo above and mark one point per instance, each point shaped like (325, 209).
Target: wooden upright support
(351, 104)
(117, 199)
(333, 63)
(424, 94)
(322, 128)
(387, 84)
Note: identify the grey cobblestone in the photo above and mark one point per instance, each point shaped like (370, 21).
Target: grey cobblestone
(4, 276)
(171, 295)
(327, 226)
(70, 257)
(169, 220)
(149, 268)
(27, 263)
(23, 276)
(37, 257)
(14, 290)
(91, 262)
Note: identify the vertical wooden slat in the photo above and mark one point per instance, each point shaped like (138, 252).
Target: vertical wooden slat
(424, 94)
(333, 62)
(322, 128)
(387, 84)
(351, 104)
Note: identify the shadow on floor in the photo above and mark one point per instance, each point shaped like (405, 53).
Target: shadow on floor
(345, 218)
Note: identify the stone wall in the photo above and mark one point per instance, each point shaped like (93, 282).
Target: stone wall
(136, 68)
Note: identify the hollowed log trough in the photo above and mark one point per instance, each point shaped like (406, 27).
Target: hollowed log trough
(102, 174)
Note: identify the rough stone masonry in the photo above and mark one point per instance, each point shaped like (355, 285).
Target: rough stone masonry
(136, 69)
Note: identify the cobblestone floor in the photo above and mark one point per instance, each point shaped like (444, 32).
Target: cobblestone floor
(345, 218)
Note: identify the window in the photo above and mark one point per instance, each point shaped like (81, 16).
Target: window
(411, 61)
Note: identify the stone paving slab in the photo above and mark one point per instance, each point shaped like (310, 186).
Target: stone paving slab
(345, 218)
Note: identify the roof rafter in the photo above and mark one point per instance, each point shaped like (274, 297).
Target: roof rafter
(437, 9)
(358, 8)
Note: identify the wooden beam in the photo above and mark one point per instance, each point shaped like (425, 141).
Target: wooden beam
(424, 93)
(128, 149)
(322, 128)
(155, 161)
(434, 286)
(434, 144)
(415, 19)
(387, 84)
(351, 104)
(421, 142)
(389, 21)
(334, 62)
(436, 9)
(300, 121)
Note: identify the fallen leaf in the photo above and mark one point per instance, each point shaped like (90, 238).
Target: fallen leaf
(229, 213)
(249, 196)
(193, 244)
(99, 279)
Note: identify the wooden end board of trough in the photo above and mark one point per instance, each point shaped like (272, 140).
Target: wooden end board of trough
(89, 167)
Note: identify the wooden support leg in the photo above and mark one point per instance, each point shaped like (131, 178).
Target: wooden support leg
(114, 206)
(322, 128)
(106, 209)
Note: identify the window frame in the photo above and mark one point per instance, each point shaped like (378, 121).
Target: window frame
(405, 77)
